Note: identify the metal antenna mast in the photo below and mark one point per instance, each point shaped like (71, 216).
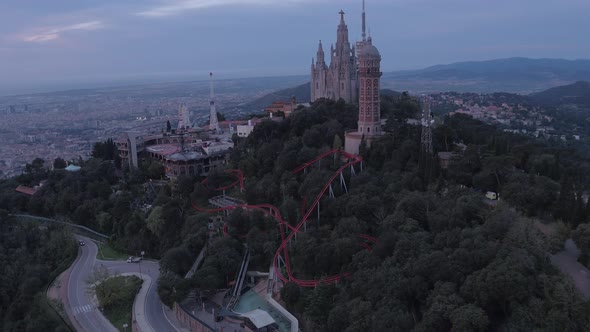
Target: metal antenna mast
(364, 25)
(213, 123)
(363, 42)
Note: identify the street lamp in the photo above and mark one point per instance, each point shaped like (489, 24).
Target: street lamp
(125, 327)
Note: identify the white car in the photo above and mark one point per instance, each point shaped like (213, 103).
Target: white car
(133, 259)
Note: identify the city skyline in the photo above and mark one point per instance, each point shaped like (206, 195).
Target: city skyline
(70, 44)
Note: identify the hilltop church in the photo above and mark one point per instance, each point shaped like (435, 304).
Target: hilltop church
(340, 79)
(354, 79)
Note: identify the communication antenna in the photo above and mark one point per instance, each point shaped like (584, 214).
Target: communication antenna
(213, 123)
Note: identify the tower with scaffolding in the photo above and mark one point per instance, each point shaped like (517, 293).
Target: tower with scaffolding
(184, 122)
(426, 136)
(427, 162)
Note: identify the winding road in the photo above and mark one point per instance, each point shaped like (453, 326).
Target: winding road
(82, 306)
(567, 262)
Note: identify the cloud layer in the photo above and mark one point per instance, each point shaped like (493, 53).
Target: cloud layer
(180, 6)
(53, 33)
(98, 40)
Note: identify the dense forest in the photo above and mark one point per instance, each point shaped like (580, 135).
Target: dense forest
(445, 259)
(31, 256)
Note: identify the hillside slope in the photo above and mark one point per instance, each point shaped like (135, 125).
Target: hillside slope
(576, 93)
(301, 93)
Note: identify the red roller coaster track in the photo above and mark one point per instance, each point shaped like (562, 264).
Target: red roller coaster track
(240, 180)
(274, 212)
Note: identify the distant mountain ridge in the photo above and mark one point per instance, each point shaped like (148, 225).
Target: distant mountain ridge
(518, 75)
(569, 68)
(513, 75)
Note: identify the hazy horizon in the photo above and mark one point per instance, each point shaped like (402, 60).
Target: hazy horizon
(169, 78)
(65, 44)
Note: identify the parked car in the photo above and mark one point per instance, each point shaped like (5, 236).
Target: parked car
(133, 259)
(492, 195)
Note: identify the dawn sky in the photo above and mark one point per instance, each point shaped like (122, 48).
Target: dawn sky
(70, 43)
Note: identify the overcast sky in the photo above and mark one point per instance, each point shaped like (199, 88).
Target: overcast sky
(76, 42)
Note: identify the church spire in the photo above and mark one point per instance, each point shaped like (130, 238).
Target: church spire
(364, 25)
(341, 17)
(321, 53)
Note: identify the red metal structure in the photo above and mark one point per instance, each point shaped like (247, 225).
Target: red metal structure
(351, 161)
(282, 253)
(369, 238)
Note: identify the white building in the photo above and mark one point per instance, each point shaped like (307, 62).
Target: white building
(245, 130)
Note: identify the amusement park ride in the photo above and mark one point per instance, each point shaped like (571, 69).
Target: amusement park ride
(281, 257)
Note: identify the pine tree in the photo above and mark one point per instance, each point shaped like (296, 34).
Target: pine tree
(566, 203)
(363, 148)
(337, 144)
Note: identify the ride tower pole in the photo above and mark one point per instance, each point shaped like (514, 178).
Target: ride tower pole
(318, 214)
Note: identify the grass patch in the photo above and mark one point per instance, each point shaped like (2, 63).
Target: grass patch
(108, 253)
(116, 296)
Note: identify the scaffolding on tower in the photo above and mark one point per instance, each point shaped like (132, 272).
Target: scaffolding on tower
(184, 122)
(426, 137)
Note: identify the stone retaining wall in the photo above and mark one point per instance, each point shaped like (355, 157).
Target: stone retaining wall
(194, 324)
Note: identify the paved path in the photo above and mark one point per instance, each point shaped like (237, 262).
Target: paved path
(567, 262)
(82, 306)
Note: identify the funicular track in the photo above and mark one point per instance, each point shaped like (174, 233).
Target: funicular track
(281, 257)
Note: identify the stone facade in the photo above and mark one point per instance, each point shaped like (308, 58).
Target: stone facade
(339, 79)
(369, 123)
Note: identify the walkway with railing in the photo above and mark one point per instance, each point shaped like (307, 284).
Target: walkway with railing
(235, 295)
